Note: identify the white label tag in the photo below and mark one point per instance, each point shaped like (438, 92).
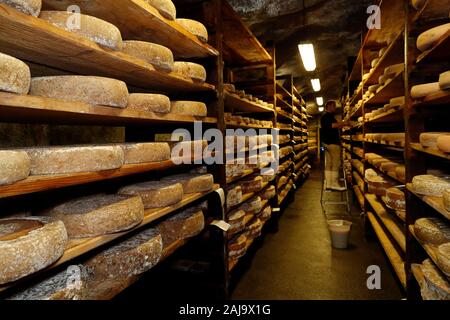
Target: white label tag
(295, 187)
(276, 210)
(222, 195)
(221, 225)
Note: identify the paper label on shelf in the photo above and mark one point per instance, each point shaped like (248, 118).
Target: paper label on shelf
(295, 187)
(221, 194)
(221, 225)
(276, 210)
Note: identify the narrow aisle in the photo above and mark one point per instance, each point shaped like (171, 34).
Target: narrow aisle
(297, 262)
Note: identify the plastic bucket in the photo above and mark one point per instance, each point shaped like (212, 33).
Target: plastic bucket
(340, 231)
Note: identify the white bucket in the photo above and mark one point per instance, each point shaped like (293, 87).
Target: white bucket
(340, 231)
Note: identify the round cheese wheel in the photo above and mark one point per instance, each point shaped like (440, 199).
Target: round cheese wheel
(430, 185)
(444, 80)
(269, 193)
(400, 172)
(397, 102)
(183, 225)
(165, 7)
(234, 196)
(189, 108)
(195, 27)
(429, 139)
(423, 90)
(443, 258)
(250, 185)
(432, 230)
(15, 75)
(373, 89)
(443, 142)
(374, 62)
(252, 206)
(395, 199)
(265, 214)
(389, 166)
(28, 245)
(237, 244)
(135, 153)
(159, 56)
(427, 39)
(98, 214)
(378, 162)
(446, 197)
(393, 70)
(30, 7)
(87, 89)
(436, 287)
(14, 166)
(254, 229)
(369, 173)
(92, 28)
(157, 103)
(193, 183)
(190, 70)
(378, 185)
(236, 221)
(371, 156)
(155, 194)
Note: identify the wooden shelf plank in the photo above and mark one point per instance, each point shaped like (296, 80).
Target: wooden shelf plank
(430, 151)
(434, 202)
(25, 108)
(393, 145)
(235, 103)
(392, 116)
(234, 125)
(138, 20)
(32, 39)
(393, 255)
(78, 247)
(394, 88)
(437, 99)
(439, 52)
(359, 195)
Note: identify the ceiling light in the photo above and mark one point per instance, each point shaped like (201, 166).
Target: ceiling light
(308, 56)
(321, 109)
(319, 101)
(316, 85)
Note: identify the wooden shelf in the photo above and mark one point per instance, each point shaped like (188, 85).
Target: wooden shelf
(138, 20)
(391, 225)
(392, 116)
(359, 195)
(434, 202)
(235, 103)
(283, 104)
(32, 39)
(249, 196)
(233, 125)
(430, 151)
(390, 175)
(437, 99)
(398, 145)
(77, 247)
(394, 88)
(30, 109)
(438, 53)
(284, 115)
(282, 90)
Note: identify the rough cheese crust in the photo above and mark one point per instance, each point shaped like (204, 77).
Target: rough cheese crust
(184, 225)
(436, 286)
(265, 214)
(32, 252)
(94, 29)
(432, 230)
(443, 143)
(430, 185)
(87, 89)
(236, 221)
(429, 139)
(99, 215)
(423, 90)
(157, 103)
(190, 70)
(446, 197)
(444, 80)
(135, 153)
(253, 184)
(30, 7)
(15, 75)
(14, 166)
(155, 194)
(237, 244)
(443, 258)
(193, 183)
(427, 39)
(234, 196)
(395, 199)
(269, 193)
(165, 7)
(155, 54)
(189, 108)
(195, 27)
(252, 206)
(62, 160)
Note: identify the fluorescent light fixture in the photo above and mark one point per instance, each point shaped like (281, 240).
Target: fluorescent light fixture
(316, 85)
(321, 109)
(308, 56)
(319, 101)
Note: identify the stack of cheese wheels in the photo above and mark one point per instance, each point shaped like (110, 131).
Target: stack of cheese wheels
(190, 70)
(183, 225)
(98, 215)
(434, 286)
(430, 185)
(195, 27)
(443, 258)
(394, 137)
(15, 76)
(87, 89)
(254, 228)
(135, 153)
(236, 221)
(429, 38)
(444, 80)
(268, 174)
(269, 193)
(94, 29)
(378, 185)
(391, 71)
(192, 183)
(155, 194)
(165, 7)
(234, 196)
(149, 102)
(30, 7)
(443, 142)
(72, 159)
(14, 166)
(432, 230)
(395, 199)
(237, 247)
(253, 206)
(234, 168)
(189, 108)
(371, 156)
(423, 90)
(155, 54)
(446, 197)
(370, 173)
(265, 214)
(429, 139)
(251, 184)
(28, 245)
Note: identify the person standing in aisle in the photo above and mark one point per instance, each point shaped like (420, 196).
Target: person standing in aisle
(331, 141)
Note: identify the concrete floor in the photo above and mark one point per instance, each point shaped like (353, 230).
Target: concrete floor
(297, 262)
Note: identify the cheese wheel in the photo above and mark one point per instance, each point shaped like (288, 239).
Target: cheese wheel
(370, 173)
(252, 184)
(382, 52)
(183, 225)
(30, 7)
(394, 137)
(374, 62)
(443, 143)
(269, 193)
(145, 152)
(237, 244)
(382, 81)
(14, 166)
(97, 215)
(190, 70)
(159, 56)
(432, 230)
(234, 196)
(28, 245)
(165, 7)
(446, 197)
(397, 102)
(443, 258)
(87, 89)
(444, 80)
(236, 221)
(378, 185)
(371, 156)
(265, 214)
(373, 89)
(430, 185)
(429, 139)
(400, 172)
(149, 102)
(189, 108)
(377, 163)
(63, 160)
(389, 166)
(395, 199)
(253, 206)
(193, 183)
(92, 28)
(436, 287)
(268, 174)
(15, 75)
(195, 27)
(428, 39)
(155, 194)
(254, 229)
(391, 71)
(423, 90)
